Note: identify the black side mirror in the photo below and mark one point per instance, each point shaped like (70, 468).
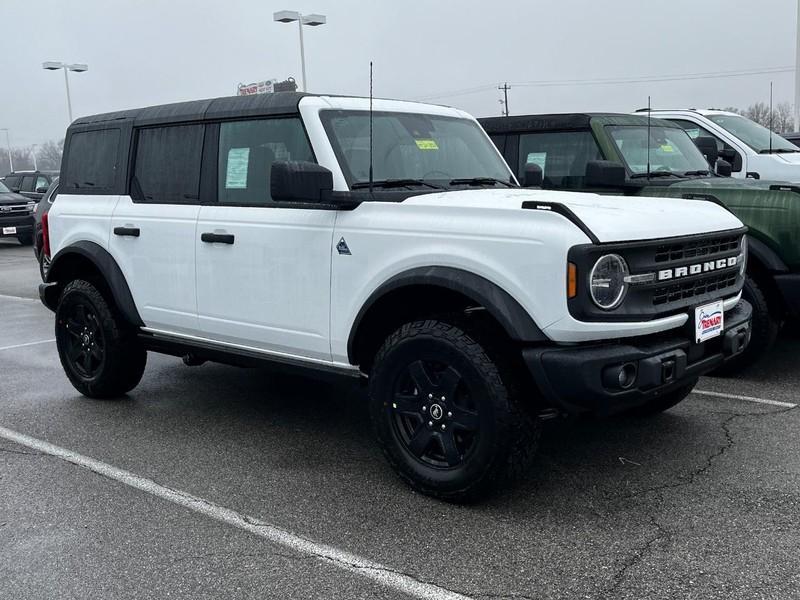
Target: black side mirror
(724, 168)
(604, 174)
(532, 176)
(708, 148)
(728, 154)
(300, 182)
(41, 190)
(15, 190)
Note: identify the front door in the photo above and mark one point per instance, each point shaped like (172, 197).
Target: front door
(263, 269)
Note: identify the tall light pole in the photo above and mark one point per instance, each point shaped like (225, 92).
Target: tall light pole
(33, 154)
(289, 16)
(8, 145)
(55, 66)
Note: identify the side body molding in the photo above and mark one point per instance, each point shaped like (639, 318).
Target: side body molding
(108, 268)
(514, 319)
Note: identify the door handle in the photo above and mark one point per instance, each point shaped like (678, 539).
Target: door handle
(217, 238)
(129, 231)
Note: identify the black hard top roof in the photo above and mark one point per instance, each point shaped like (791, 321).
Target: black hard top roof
(278, 103)
(560, 122)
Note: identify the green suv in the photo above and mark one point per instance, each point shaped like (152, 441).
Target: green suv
(637, 156)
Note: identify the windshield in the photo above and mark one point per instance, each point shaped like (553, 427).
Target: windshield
(3, 188)
(409, 146)
(671, 150)
(751, 133)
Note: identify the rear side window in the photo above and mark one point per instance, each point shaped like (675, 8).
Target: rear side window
(247, 150)
(92, 160)
(562, 156)
(167, 167)
(27, 183)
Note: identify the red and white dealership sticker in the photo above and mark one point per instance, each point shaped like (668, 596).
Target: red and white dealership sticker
(709, 321)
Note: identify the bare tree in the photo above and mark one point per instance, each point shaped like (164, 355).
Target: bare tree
(733, 109)
(23, 158)
(758, 112)
(49, 155)
(783, 117)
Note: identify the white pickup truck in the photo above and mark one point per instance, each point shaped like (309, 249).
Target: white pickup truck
(392, 245)
(751, 149)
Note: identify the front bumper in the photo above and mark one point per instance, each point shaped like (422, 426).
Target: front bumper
(583, 379)
(23, 225)
(789, 285)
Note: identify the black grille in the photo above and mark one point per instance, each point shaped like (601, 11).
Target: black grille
(689, 289)
(696, 249)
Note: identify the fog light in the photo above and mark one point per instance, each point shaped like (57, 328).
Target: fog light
(620, 376)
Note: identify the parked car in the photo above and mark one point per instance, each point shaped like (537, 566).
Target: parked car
(42, 256)
(279, 229)
(609, 153)
(793, 137)
(16, 216)
(31, 184)
(754, 151)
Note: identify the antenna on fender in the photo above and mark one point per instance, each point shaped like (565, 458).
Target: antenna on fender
(370, 127)
(770, 117)
(648, 138)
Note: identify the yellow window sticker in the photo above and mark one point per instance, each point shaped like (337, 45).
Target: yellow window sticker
(666, 148)
(427, 144)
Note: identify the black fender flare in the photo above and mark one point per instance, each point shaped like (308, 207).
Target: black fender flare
(514, 319)
(108, 268)
(765, 255)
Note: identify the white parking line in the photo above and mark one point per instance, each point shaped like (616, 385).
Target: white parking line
(745, 398)
(22, 298)
(25, 345)
(328, 554)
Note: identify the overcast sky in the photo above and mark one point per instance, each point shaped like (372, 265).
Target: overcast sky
(143, 52)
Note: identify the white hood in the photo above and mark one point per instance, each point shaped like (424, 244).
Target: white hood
(610, 218)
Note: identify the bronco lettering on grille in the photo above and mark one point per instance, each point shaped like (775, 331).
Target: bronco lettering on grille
(696, 269)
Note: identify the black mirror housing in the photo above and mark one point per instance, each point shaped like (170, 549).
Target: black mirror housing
(708, 148)
(604, 174)
(724, 168)
(41, 190)
(532, 176)
(292, 181)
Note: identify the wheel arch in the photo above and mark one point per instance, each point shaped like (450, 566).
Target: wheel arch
(428, 290)
(90, 260)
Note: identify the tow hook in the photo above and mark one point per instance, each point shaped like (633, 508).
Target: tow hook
(192, 360)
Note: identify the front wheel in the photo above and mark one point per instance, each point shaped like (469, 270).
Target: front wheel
(446, 415)
(99, 352)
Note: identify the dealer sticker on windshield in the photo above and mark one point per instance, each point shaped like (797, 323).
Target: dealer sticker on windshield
(427, 144)
(709, 321)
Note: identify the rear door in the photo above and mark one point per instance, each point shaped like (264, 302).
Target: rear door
(263, 268)
(153, 229)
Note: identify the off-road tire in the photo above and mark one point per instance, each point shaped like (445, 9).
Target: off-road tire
(764, 330)
(506, 434)
(104, 342)
(664, 402)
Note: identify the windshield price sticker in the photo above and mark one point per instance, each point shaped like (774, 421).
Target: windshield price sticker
(709, 321)
(427, 144)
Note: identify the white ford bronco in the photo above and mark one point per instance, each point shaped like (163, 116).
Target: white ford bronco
(393, 245)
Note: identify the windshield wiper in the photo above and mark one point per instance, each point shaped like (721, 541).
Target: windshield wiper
(778, 151)
(480, 181)
(393, 183)
(698, 172)
(655, 174)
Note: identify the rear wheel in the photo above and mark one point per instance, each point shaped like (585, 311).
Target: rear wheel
(99, 352)
(765, 326)
(446, 414)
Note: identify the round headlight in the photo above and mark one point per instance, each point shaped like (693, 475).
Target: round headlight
(607, 281)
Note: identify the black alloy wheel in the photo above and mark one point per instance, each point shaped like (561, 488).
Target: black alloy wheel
(434, 416)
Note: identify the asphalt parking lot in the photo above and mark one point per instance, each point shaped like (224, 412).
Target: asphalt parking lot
(212, 482)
